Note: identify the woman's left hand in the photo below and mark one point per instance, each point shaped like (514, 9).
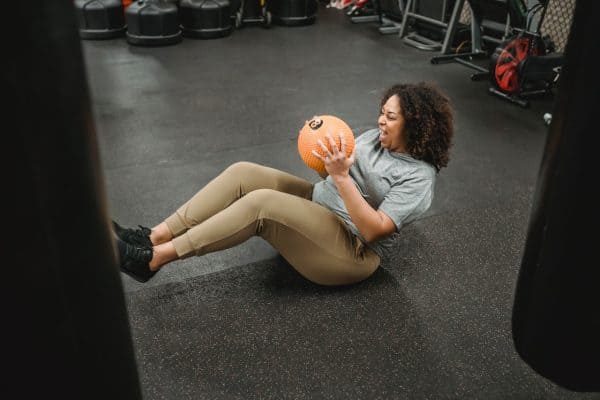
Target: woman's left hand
(337, 163)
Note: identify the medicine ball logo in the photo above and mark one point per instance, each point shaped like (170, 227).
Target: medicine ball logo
(315, 123)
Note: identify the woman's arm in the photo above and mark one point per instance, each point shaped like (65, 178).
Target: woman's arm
(372, 224)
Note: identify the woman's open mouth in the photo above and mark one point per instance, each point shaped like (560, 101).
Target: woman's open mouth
(382, 135)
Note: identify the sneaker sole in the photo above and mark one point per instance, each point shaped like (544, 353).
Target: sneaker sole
(135, 276)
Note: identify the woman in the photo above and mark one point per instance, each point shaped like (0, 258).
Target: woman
(334, 232)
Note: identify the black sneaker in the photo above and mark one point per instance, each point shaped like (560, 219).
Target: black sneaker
(139, 237)
(135, 261)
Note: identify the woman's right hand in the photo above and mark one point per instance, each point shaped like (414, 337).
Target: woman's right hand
(337, 163)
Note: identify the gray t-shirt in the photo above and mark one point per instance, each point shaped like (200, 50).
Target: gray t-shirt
(395, 183)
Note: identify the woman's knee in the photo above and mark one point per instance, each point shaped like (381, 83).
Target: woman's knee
(262, 199)
(241, 168)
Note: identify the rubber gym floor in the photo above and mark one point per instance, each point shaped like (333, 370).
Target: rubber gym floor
(434, 322)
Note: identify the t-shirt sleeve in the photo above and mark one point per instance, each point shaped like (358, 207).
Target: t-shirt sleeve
(408, 199)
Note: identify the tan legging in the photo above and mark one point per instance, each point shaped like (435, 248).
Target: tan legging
(247, 200)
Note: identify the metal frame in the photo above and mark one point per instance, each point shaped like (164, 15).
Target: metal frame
(467, 59)
(387, 26)
(414, 39)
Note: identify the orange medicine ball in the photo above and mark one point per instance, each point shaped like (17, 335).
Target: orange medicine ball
(316, 129)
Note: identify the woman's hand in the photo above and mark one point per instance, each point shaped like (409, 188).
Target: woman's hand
(336, 162)
(372, 224)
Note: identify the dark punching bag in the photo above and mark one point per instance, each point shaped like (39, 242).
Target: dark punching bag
(556, 314)
(65, 327)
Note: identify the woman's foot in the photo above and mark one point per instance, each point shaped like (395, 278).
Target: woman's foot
(135, 261)
(138, 237)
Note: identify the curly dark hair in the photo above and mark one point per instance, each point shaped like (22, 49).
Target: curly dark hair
(428, 121)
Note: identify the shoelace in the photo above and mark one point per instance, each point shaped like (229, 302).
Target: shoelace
(140, 235)
(139, 254)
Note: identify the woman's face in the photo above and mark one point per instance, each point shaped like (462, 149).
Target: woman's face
(391, 126)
